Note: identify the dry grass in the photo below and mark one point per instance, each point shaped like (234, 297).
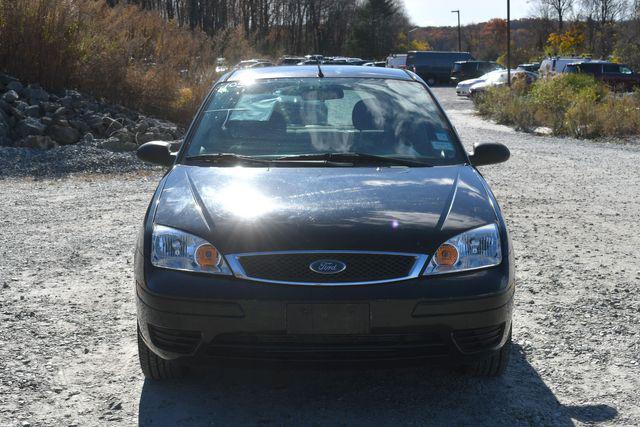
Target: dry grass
(122, 54)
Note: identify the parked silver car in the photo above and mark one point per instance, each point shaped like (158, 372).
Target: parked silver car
(463, 88)
(500, 79)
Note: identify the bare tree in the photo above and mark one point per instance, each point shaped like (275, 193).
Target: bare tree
(559, 8)
(543, 13)
(600, 17)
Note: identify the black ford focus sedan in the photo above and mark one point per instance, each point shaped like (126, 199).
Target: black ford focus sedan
(320, 214)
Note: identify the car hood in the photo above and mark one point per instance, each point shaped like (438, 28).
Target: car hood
(244, 209)
(470, 82)
(482, 84)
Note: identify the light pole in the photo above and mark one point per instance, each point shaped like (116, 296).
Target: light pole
(459, 31)
(409, 37)
(509, 43)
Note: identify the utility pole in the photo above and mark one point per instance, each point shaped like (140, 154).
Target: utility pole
(509, 42)
(459, 31)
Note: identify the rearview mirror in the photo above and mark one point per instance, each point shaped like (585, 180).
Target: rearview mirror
(323, 93)
(156, 152)
(489, 153)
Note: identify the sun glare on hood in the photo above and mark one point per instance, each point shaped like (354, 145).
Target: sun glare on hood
(244, 201)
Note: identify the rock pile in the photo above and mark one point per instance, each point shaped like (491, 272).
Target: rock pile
(31, 117)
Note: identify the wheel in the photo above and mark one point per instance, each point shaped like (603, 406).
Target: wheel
(493, 366)
(154, 367)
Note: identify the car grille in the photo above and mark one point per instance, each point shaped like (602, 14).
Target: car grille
(327, 347)
(360, 267)
(174, 340)
(475, 340)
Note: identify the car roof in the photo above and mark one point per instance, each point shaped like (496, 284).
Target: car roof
(595, 61)
(329, 71)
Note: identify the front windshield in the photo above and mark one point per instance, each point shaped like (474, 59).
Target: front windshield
(275, 118)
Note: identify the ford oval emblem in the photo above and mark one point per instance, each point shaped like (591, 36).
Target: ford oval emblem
(328, 266)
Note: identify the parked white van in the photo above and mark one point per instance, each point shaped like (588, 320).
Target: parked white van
(397, 60)
(556, 65)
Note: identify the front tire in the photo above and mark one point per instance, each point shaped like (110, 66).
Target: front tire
(153, 366)
(494, 366)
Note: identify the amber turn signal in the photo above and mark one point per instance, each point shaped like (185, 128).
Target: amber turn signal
(207, 256)
(446, 255)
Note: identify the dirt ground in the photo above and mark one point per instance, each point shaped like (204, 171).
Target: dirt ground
(67, 314)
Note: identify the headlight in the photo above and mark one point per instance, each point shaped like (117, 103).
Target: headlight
(177, 250)
(473, 249)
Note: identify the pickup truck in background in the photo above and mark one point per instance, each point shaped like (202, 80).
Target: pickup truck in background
(617, 76)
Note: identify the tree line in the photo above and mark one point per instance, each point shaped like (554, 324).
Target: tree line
(607, 29)
(365, 28)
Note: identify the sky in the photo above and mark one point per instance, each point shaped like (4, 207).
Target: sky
(438, 12)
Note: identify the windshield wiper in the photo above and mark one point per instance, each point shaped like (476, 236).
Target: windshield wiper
(239, 158)
(357, 158)
(226, 158)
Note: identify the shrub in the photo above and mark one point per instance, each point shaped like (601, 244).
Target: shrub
(582, 119)
(522, 113)
(554, 97)
(569, 104)
(123, 54)
(507, 107)
(619, 116)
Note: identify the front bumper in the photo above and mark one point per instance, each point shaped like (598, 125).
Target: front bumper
(449, 329)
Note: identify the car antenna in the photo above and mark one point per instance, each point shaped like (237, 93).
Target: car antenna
(320, 73)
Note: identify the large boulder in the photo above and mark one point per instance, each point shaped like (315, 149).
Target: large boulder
(38, 141)
(10, 96)
(4, 105)
(155, 134)
(71, 99)
(35, 94)
(96, 123)
(4, 118)
(80, 125)
(124, 135)
(50, 107)
(112, 125)
(66, 102)
(4, 127)
(114, 144)
(21, 106)
(29, 126)
(32, 111)
(63, 135)
(15, 113)
(5, 79)
(62, 112)
(15, 86)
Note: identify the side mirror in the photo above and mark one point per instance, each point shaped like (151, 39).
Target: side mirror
(156, 152)
(489, 153)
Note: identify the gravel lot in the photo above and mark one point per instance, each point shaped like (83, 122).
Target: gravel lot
(67, 346)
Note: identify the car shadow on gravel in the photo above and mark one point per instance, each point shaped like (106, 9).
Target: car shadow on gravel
(268, 395)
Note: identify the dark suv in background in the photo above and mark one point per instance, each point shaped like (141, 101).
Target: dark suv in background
(435, 67)
(618, 76)
(464, 70)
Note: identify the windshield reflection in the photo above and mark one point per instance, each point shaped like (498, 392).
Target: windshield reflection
(293, 116)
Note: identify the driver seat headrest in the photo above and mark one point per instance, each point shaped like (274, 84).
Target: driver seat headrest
(367, 115)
